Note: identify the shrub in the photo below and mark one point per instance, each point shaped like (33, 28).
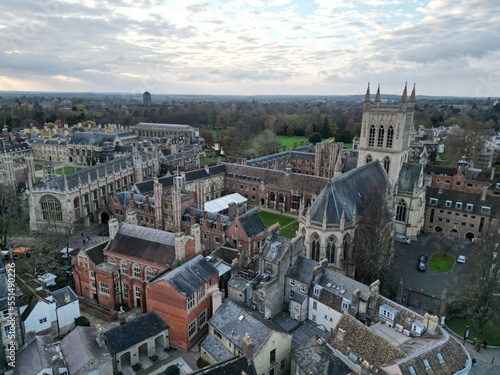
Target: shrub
(153, 358)
(202, 363)
(172, 370)
(82, 321)
(137, 367)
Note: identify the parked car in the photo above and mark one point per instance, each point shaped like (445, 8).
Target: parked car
(423, 258)
(422, 263)
(402, 238)
(461, 259)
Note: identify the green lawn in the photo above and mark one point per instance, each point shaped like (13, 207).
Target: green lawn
(290, 230)
(38, 167)
(270, 218)
(209, 161)
(289, 141)
(67, 170)
(458, 326)
(441, 262)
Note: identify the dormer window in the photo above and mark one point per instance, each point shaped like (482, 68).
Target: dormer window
(317, 290)
(447, 203)
(485, 209)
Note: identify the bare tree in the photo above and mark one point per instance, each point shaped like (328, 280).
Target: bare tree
(468, 141)
(13, 213)
(373, 240)
(448, 241)
(479, 288)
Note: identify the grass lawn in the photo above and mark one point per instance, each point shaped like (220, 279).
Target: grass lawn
(209, 161)
(270, 218)
(67, 170)
(38, 167)
(441, 262)
(290, 230)
(289, 141)
(458, 326)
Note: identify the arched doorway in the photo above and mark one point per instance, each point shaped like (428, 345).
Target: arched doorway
(454, 232)
(470, 236)
(438, 229)
(70, 159)
(104, 218)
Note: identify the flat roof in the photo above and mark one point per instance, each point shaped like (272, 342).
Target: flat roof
(222, 203)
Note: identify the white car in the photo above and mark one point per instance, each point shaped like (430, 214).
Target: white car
(461, 259)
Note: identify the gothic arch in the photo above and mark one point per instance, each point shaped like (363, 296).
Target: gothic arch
(401, 211)
(368, 159)
(371, 136)
(380, 138)
(51, 208)
(347, 249)
(387, 164)
(330, 249)
(315, 247)
(390, 137)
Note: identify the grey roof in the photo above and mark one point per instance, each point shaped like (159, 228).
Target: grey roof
(232, 366)
(319, 362)
(94, 139)
(60, 296)
(347, 192)
(190, 276)
(307, 330)
(233, 320)
(158, 126)
(302, 270)
(252, 223)
(409, 177)
(276, 247)
(135, 331)
(238, 283)
(211, 216)
(341, 285)
(37, 355)
(167, 181)
(215, 349)
(125, 196)
(145, 243)
(95, 253)
(14, 148)
(80, 347)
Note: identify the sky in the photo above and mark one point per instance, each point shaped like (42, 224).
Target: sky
(251, 47)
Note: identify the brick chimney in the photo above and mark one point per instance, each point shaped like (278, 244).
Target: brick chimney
(374, 291)
(218, 225)
(180, 246)
(216, 300)
(483, 193)
(196, 233)
(248, 348)
(67, 297)
(131, 202)
(192, 218)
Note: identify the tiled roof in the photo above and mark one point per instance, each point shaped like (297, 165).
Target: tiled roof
(80, 347)
(215, 349)
(275, 178)
(37, 356)
(333, 283)
(347, 192)
(409, 177)
(60, 296)
(492, 201)
(95, 139)
(276, 247)
(95, 254)
(159, 126)
(144, 243)
(135, 331)
(190, 276)
(252, 223)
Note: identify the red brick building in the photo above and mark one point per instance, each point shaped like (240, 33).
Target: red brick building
(183, 298)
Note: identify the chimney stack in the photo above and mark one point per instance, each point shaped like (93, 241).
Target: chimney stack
(231, 210)
(113, 227)
(67, 297)
(216, 300)
(248, 348)
(483, 193)
(320, 346)
(121, 316)
(492, 177)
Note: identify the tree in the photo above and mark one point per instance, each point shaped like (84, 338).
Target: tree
(479, 288)
(447, 241)
(173, 370)
(13, 212)
(207, 136)
(265, 140)
(373, 240)
(315, 138)
(468, 141)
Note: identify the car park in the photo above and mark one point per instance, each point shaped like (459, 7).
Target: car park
(461, 259)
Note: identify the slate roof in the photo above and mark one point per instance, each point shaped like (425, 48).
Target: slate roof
(409, 177)
(190, 276)
(492, 201)
(279, 179)
(60, 296)
(340, 285)
(36, 356)
(238, 283)
(168, 181)
(347, 192)
(252, 223)
(14, 148)
(277, 242)
(215, 349)
(319, 362)
(302, 270)
(139, 199)
(233, 320)
(135, 331)
(145, 243)
(80, 347)
(232, 366)
(94, 139)
(211, 216)
(95, 253)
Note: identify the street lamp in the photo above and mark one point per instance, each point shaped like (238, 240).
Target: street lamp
(466, 333)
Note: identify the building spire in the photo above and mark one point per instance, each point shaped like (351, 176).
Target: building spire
(412, 96)
(377, 97)
(367, 95)
(404, 96)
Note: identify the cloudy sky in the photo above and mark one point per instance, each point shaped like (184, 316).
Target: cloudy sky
(251, 47)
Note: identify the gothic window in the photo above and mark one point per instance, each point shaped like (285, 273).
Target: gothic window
(315, 248)
(51, 208)
(401, 211)
(387, 163)
(380, 140)
(368, 159)
(330, 250)
(390, 136)
(371, 137)
(272, 196)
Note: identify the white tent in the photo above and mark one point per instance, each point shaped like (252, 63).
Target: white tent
(222, 203)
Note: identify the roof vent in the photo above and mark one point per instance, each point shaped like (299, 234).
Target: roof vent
(241, 317)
